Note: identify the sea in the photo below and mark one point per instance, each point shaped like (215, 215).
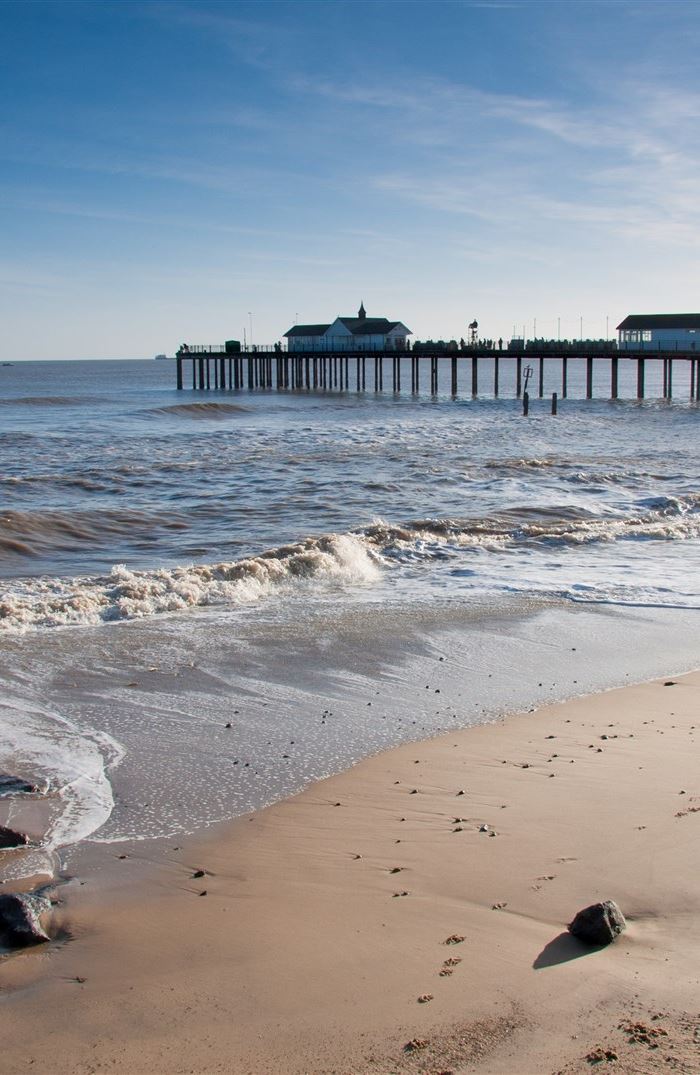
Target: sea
(209, 600)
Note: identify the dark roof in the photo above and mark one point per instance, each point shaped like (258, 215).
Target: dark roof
(307, 330)
(369, 326)
(649, 321)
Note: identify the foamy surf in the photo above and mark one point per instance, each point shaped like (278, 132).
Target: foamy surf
(125, 595)
(69, 764)
(350, 559)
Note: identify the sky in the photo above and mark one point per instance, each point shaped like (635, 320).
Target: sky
(189, 171)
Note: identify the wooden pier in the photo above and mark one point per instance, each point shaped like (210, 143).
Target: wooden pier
(212, 368)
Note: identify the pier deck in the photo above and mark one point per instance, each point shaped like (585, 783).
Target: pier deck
(211, 367)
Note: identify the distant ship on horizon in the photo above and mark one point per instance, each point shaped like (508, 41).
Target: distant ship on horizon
(159, 358)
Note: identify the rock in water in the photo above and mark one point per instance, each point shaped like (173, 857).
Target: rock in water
(598, 924)
(20, 923)
(10, 838)
(14, 785)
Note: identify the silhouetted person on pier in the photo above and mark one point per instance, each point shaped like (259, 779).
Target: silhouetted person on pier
(500, 343)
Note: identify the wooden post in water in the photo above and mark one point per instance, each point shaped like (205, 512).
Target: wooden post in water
(200, 364)
(669, 380)
(376, 374)
(613, 377)
(554, 403)
(664, 369)
(519, 376)
(541, 377)
(564, 376)
(454, 374)
(640, 378)
(475, 376)
(589, 377)
(194, 375)
(526, 403)
(398, 372)
(179, 372)
(495, 376)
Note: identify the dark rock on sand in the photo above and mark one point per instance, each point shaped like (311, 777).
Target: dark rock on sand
(20, 923)
(598, 924)
(10, 838)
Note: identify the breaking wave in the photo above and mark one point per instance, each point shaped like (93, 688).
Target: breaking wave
(199, 410)
(358, 557)
(125, 594)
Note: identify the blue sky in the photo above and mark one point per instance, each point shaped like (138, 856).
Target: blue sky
(168, 169)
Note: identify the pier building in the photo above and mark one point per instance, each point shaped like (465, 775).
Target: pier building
(659, 332)
(361, 333)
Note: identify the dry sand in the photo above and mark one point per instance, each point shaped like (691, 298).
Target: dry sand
(318, 938)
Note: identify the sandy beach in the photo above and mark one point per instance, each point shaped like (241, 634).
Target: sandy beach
(407, 915)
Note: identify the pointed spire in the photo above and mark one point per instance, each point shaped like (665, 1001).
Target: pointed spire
(361, 313)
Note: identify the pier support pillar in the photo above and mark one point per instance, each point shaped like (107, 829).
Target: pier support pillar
(179, 373)
(613, 377)
(589, 378)
(541, 377)
(519, 376)
(640, 378)
(454, 374)
(495, 376)
(475, 376)
(564, 377)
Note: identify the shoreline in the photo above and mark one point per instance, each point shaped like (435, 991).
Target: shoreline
(325, 915)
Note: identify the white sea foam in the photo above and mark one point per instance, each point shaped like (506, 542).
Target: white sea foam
(125, 594)
(346, 559)
(70, 762)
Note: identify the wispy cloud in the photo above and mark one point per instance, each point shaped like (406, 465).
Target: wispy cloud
(628, 165)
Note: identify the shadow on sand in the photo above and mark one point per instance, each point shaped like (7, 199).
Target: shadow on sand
(563, 949)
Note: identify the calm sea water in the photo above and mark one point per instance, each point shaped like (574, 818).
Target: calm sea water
(175, 562)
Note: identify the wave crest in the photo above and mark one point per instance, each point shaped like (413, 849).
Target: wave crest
(125, 594)
(351, 558)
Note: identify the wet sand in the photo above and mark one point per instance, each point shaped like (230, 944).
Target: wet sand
(373, 923)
